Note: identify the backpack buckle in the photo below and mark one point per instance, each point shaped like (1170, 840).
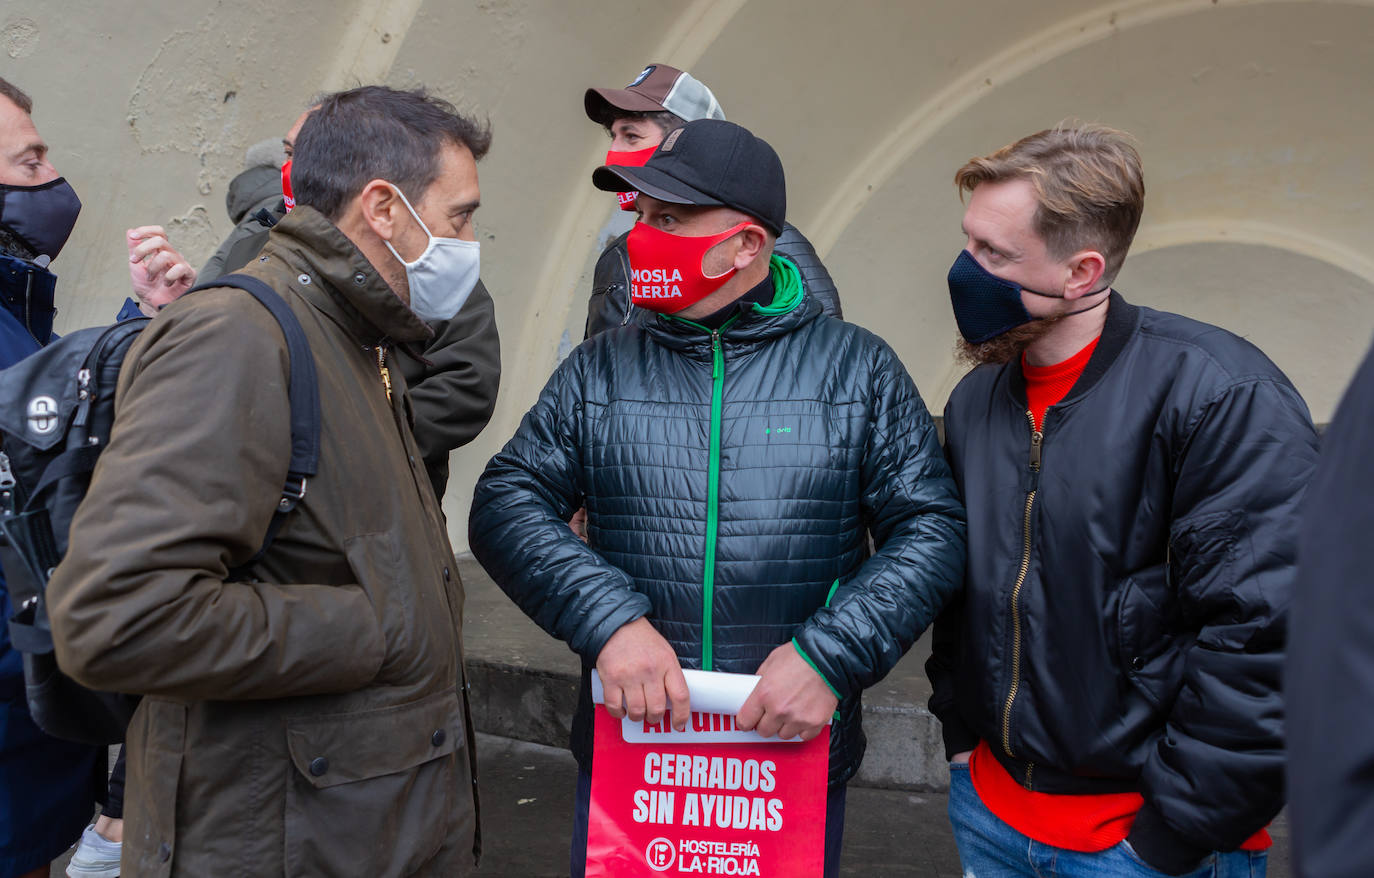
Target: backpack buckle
(292, 493)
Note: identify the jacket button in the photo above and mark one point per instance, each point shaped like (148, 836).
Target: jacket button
(437, 739)
(304, 279)
(164, 852)
(319, 765)
(359, 278)
(1137, 664)
(448, 577)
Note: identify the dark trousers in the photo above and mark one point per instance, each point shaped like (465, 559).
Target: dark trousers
(834, 827)
(114, 805)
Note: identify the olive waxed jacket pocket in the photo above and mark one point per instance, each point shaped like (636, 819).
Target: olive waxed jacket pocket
(361, 798)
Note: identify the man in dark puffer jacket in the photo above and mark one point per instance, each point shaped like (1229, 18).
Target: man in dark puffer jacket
(638, 117)
(1109, 681)
(734, 456)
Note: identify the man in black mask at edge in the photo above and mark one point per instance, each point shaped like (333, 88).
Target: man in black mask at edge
(51, 784)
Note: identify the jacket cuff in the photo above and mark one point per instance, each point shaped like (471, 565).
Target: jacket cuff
(1159, 846)
(806, 658)
(958, 737)
(590, 646)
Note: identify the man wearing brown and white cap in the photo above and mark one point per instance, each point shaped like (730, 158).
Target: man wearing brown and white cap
(638, 117)
(735, 452)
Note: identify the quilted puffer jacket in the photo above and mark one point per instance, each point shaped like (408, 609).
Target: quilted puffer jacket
(610, 304)
(732, 480)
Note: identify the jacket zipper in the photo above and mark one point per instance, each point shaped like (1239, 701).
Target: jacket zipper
(1037, 438)
(712, 496)
(28, 309)
(629, 300)
(383, 370)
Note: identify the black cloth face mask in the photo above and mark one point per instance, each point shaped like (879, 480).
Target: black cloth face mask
(41, 216)
(985, 305)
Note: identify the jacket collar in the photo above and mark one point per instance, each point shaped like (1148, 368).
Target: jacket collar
(1122, 320)
(27, 293)
(342, 283)
(755, 325)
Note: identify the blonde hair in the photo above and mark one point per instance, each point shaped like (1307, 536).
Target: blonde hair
(1088, 184)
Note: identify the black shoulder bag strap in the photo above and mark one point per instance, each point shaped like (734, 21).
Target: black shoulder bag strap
(304, 392)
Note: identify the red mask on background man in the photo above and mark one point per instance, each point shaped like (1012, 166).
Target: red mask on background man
(635, 159)
(286, 185)
(665, 270)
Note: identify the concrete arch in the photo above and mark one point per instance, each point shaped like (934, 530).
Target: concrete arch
(1235, 230)
(934, 112)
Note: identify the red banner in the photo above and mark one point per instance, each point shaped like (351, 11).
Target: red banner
(711, 800)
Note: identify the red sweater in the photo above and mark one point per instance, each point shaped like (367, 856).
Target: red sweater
(1085, 823)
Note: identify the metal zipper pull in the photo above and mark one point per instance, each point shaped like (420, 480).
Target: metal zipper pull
(715, 349)
(1037, 439)
(9, 503)
(383, 370)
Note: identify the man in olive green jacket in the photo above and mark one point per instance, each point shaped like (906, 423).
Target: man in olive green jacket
(310, 718)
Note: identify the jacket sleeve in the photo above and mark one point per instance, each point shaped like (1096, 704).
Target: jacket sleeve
(1215, 776)
(815, 278)
(1329, 678)
(244, 242)
(183, 493)
(454, 394)
(918, 528)
(946, 636)
(609, 305)
(518, 526)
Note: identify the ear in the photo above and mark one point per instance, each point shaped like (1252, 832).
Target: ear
(1085, 274)
(380, 205)
(753, 242)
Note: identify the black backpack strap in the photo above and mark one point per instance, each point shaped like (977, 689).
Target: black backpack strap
(304, 392)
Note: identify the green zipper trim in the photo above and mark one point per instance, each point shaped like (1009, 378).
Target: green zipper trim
(834, 588)
(787, 295)
(712, 498)
(708, 599)
(801, 652)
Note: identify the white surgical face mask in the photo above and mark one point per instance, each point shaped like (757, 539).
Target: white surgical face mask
(443, 276)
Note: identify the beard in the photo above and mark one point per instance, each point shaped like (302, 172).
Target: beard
(1006, 347)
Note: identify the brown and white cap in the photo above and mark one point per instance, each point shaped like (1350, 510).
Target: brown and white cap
(657, 88)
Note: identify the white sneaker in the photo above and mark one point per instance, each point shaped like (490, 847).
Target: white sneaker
(95, 857)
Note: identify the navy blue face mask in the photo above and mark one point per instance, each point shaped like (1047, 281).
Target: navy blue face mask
(985, 305)
(41, 216)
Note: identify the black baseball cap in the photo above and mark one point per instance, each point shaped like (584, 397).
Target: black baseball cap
(710, 163)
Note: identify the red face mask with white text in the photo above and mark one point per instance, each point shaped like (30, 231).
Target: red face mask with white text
(286, 185)
(635, 159)
(665, 269)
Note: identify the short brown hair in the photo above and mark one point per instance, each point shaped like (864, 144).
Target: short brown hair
(667, 122)
(11, 91)
(376, 132)
(1088, 184)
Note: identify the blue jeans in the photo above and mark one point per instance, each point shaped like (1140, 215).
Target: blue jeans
(989, 848)
(834, 827)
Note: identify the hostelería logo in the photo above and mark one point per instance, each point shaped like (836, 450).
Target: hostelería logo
(656, 283)
(660, 854)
